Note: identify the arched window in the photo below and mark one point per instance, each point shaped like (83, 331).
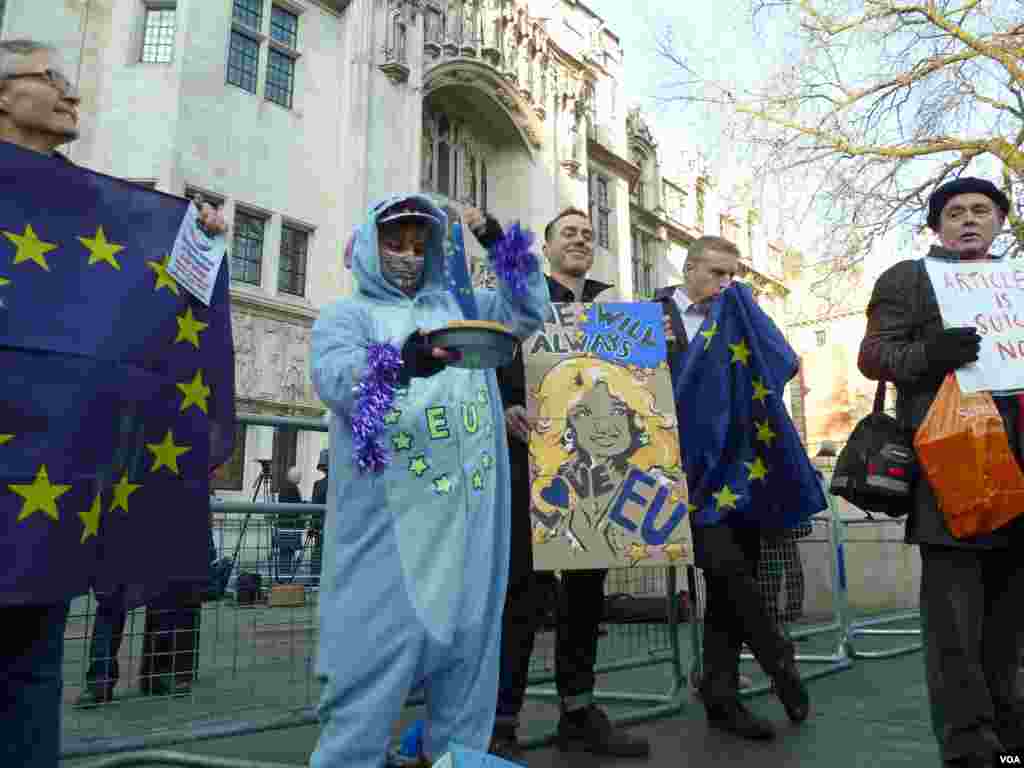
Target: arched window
(453, 161)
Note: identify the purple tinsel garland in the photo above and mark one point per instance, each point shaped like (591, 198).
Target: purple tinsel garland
(513, 260)
(375, 395)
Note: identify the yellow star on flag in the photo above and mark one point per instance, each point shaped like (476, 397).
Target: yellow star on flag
(418, 465)
(30, 247)
(740, 352)
(760, 391)
(765, 434)
(189, 328)
(443, 485)
(163, 277)
(40, 495)
(166, 453)
(196, 393)
(708, 335)
(6, 439)
(4, 281)
(402, 441)
(100, 249)
(758, 469)
(91, 519)
(391, 417)
(122, 491)
(726, 498)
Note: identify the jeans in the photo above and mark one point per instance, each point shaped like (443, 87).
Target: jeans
(32, 647)
(107, 633)
(287, 544)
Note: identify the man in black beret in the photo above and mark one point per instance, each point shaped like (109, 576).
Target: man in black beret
(971, 588)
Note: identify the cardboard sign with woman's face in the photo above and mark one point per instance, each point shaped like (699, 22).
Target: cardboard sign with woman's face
(607, 487)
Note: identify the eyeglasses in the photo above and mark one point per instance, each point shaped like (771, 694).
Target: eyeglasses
(51, 76)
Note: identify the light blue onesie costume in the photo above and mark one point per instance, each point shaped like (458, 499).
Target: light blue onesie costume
(415, 557)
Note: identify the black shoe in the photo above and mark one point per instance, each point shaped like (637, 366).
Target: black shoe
(791, 691)
(595, 734)
(505, 745)
(94, 697)
(736, 719)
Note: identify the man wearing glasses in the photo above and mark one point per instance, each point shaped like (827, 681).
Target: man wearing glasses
(38, 111)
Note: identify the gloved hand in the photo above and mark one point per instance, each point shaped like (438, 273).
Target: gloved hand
(419, 360)
(484, 227)
(952, 349)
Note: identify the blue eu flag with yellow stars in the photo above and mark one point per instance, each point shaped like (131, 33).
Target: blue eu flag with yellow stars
(118, 393)
(745, 463)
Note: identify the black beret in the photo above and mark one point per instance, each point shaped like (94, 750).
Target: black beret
(966, 185)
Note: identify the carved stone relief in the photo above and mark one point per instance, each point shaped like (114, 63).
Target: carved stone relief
(271, 359)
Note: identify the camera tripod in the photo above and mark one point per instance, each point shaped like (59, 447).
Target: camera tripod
(260, 488)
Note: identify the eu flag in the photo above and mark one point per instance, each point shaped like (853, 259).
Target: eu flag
(118, 388)
(744, 460)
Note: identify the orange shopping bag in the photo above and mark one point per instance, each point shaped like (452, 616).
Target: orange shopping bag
(964, 452)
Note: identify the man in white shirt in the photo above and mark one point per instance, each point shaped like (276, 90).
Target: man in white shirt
(735, 613)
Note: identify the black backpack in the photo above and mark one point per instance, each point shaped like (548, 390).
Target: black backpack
(877, 468)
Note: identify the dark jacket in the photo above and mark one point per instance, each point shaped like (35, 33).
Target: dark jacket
(290, 495)
(902, 314)
(512, 377)
(316, 521)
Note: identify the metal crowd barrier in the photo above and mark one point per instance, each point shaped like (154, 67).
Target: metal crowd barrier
(250, 664)
(622, 647)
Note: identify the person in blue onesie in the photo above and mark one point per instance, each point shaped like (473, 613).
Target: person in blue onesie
(415, 555)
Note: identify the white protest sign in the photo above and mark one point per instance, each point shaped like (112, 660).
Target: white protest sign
(196, 257)
(989, 296)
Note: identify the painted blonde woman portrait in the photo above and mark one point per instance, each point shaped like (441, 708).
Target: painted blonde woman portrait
(596, 421)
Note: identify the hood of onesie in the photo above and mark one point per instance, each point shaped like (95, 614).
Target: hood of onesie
(366, 253)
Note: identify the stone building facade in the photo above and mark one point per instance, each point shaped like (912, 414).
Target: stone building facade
(297, 115)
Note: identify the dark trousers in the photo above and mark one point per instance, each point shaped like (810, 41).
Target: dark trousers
(107, 633)
(971, 616)
(735, 613)
(171, 638)
(31, 684)
(580, 609)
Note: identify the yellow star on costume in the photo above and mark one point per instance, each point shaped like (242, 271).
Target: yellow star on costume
(708, 335)
(758, 469)
(40, 495)
(122, 491)
(482, 396)
(765, 434)
(166, 453)
(726, 498)
(6, 439)
(442, 485)
(101, 250)
(487, 461)
(391, 417)
(91, 519)
(760, 391)
(30, 247)
(163, 277)
(418, 465)
(478, 481)
(402, 441)
(195, 393)
(740, 352)
(189, 328)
